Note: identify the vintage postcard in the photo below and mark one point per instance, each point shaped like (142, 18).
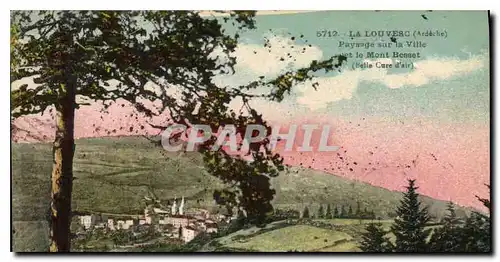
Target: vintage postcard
(250, 131)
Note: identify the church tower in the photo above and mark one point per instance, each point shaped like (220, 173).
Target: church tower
(174, 207)
(181, 207)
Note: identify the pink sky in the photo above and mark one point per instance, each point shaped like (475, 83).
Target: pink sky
(449, 161)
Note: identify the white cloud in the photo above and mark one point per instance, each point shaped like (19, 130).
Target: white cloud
(255, 60)
(266, 61)
(330, 89)
(343, 86)
(434, 69)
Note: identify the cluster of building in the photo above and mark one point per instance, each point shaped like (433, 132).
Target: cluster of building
(173, 223)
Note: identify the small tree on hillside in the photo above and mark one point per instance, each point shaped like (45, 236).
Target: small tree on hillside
(336, 213)
(411, 236)
(329, 214)
(374, 239)
(305, 213)
(343, 212)
(321, 212)
(365, 214)
(350, 214)
(358, 213)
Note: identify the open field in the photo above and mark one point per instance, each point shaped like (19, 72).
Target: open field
(299, 237)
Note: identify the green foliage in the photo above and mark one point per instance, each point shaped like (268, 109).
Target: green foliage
(122, 237)
(477, 230)
(280, 214)
(329, 213)
(455, 236)
(411, 236)
(449, 237)
(374, 239)
(359, 213)
(343, 212)
(476, 234)
(305, 213)
(321, 212)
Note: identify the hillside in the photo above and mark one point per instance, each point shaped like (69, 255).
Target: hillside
(318, 235)
(113, 175)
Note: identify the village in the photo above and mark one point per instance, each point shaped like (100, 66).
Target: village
(175, 222)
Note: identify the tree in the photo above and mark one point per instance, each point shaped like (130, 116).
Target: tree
(329, 214)
(476, 235)
(305, 213)
(280, 214)
(343, 212)
(358, 213)
(411, 236)
(451, 219)
(350, 214)
(447, 238)
(454, 236)
(105, 56)
(374, 239)
(365, 214)
(336, 213)
(486, 202)
(321, 212)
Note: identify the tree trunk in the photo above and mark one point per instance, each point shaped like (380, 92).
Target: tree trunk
(62, 172)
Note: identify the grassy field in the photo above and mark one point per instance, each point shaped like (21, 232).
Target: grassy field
(344, 236)
(280, 236)
(30, 236)
(113, 175)
(299, 237)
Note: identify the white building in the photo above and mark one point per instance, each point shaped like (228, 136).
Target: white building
(111, 224)
(129, 222)
(176, 221)
(120, 224)
(188, 233)
(87, 221)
